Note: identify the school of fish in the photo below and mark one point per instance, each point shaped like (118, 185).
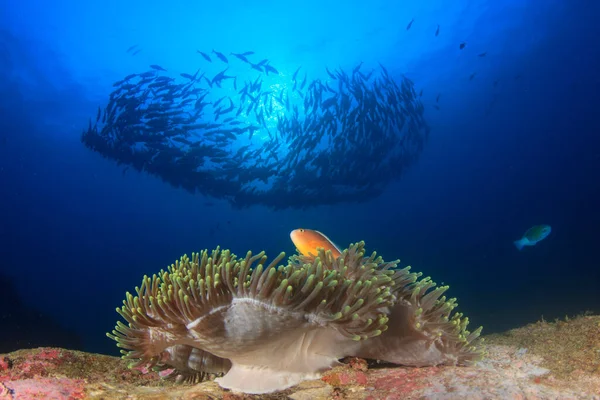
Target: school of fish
(262, 136)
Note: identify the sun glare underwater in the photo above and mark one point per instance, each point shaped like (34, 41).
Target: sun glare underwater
(460, 137)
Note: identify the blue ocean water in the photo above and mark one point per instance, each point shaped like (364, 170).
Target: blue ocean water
(513, 143)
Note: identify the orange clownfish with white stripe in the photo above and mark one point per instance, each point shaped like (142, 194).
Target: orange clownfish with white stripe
(307, 241)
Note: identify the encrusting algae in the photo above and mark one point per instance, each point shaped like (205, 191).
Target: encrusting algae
(266, 327)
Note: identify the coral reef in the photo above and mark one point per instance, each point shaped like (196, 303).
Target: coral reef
(569, 347)
(508, 371)
(267, 328)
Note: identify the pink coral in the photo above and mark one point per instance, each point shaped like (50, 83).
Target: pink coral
(47, 388)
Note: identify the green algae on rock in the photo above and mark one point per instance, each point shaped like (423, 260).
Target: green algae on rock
(267, 328)
(569, 347)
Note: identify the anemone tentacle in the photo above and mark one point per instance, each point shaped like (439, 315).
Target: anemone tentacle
(214, 313)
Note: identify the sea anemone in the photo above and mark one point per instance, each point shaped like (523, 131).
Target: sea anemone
(270, 327)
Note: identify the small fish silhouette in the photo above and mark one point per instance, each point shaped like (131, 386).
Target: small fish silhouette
(462, 45)
(221, 56)
(410, 24)
(206, 57)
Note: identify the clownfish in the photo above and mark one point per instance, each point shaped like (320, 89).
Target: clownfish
(307, 241)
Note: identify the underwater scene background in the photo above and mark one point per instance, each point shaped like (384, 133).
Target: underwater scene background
(470, 122)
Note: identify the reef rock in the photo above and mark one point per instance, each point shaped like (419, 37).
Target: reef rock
(560, 361)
